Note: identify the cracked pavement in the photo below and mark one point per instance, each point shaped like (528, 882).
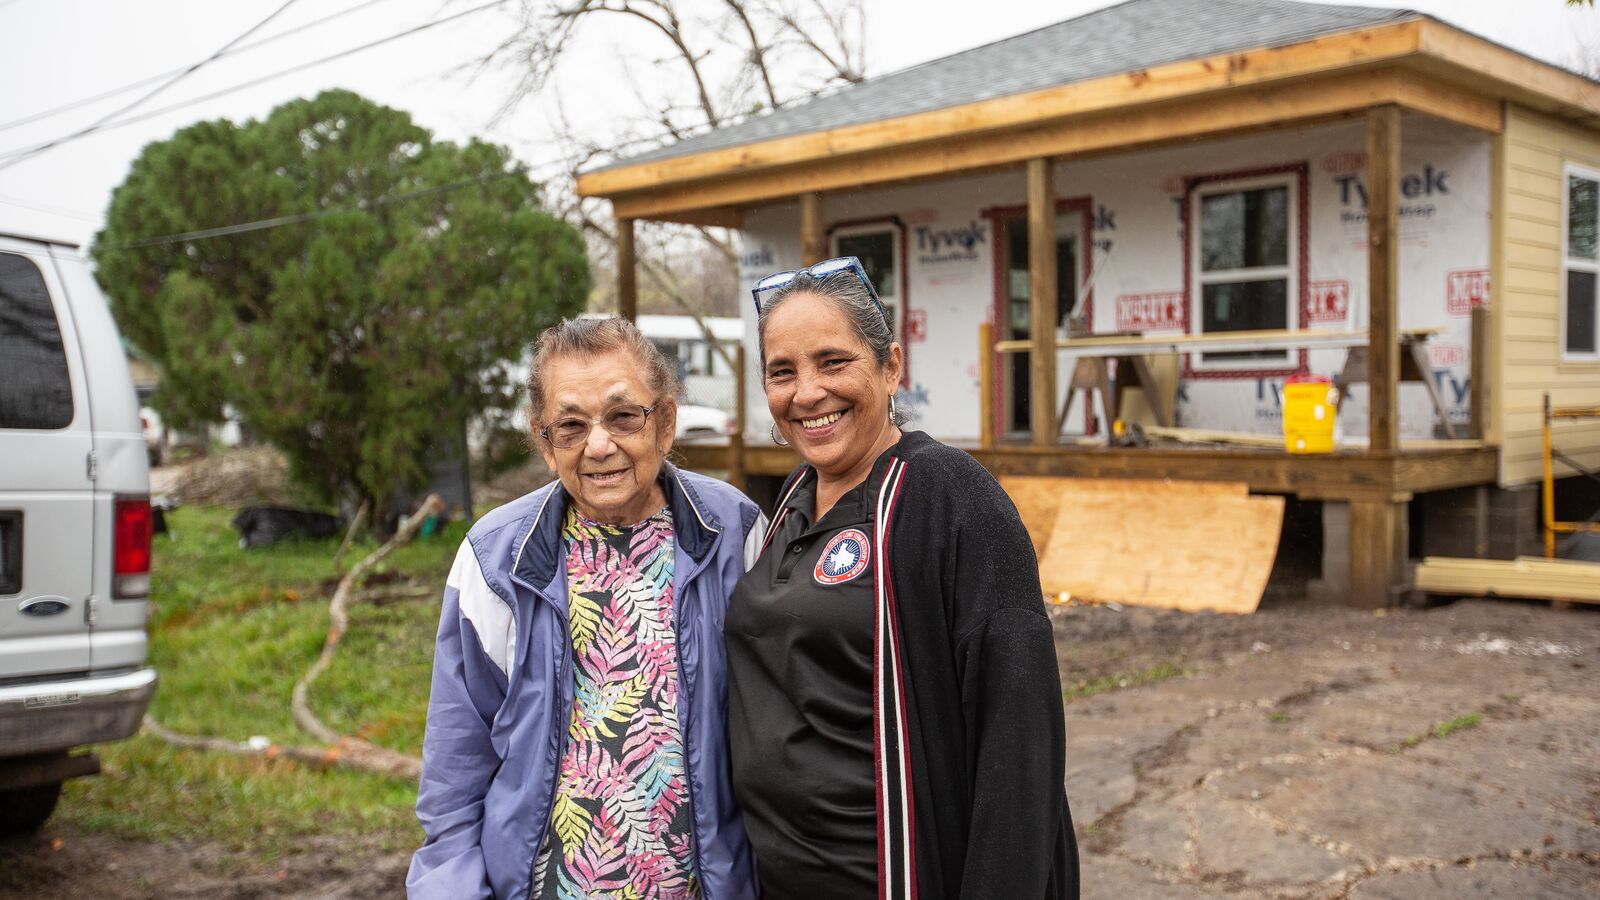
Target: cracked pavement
(1319, 752)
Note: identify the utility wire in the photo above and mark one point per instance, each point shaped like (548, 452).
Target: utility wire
(18, 155)
(279, 221)
(242, 48)
(530, 170)
(46, 208)
(99, 123)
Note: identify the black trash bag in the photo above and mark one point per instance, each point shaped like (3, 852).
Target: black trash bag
(259, 526)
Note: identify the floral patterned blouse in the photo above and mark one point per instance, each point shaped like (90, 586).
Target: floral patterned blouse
(621, 823)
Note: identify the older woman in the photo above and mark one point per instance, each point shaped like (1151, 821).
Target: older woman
(894, 704)
(576, 739)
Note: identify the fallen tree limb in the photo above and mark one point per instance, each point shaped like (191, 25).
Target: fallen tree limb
(355, 750)
(337, 756)
(382, 596)
(359, 520)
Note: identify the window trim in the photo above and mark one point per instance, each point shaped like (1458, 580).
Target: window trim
(1294, 177)
(1568, 262)
(902, 302)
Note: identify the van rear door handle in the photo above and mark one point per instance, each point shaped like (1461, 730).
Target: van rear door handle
(44, 606)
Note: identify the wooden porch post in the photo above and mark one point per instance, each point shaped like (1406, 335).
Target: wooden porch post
(1479, 428)
(1378, 542)
(736, 439)
(1042, 280)
(813, 239)
(627, 272)
(986, 385)
(1383, 277)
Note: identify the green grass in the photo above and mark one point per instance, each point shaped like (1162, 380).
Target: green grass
(1278, 716)
(1444, 730)
(1117, 681)
(1459, 723)
(230, 633)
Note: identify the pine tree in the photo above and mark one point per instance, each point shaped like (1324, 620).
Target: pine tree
(359, 336)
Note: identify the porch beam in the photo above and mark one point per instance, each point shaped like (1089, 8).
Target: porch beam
(627, 272)
(1310, 477)
(1042, 290)
(813, 238)
(1217, 114)
(1381, 45)
(1383, 277)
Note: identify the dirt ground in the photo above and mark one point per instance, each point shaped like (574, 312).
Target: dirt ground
(1305, 751)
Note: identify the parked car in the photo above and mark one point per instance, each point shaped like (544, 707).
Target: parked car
(155, 435)
(75, 526)
(702, 421)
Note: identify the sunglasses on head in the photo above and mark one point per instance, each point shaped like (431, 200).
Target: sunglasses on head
(772, 283)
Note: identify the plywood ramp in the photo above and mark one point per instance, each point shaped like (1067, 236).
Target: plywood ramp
(1186, 545)
(1038, 499)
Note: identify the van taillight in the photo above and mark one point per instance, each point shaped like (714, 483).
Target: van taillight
(130, 548)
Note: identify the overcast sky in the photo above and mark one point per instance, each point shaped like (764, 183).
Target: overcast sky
(56, 52)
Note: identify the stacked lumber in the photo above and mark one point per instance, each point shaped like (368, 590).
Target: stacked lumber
(1529, 577)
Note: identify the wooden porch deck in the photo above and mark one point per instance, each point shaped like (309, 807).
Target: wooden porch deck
(1342, 476)
(1364, 558)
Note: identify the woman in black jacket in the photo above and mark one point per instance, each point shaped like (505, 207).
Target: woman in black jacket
(895, 713)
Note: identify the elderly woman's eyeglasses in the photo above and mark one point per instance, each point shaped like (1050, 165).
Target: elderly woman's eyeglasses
(766, 286)
(618, 421)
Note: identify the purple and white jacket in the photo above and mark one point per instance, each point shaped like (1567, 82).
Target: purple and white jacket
(502, 693)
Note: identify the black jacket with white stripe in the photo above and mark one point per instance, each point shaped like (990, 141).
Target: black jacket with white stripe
(969, 737)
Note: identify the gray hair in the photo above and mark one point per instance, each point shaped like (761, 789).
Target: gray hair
(846, 292)
(592, 337)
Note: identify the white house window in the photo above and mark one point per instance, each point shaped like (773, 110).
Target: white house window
(1245, 274)
(1581, 307)
(878, 247)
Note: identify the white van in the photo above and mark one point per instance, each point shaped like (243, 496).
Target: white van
(74, 529)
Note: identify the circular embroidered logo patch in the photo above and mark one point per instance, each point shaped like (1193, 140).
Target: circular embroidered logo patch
(844, 558)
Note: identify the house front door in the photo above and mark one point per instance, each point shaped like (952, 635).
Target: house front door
(1016, 304)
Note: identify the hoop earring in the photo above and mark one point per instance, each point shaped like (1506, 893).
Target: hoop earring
(894, 413)
(772, 431)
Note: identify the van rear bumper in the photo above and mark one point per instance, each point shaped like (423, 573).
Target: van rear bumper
(62, 714)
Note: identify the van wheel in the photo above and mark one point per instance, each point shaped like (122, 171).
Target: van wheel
(25, 809)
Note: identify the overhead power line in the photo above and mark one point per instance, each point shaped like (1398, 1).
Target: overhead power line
(101, 122)
(280, 221)
(18, 155)
(47, 208)
(235, 51)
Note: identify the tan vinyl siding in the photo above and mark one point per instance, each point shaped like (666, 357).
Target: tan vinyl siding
(1538, 232)
(1533, 207)
(1527, 295)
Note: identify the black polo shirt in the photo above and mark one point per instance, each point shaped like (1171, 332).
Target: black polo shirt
(799, 644)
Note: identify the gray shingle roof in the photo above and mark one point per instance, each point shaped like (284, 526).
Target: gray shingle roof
(1134, 35)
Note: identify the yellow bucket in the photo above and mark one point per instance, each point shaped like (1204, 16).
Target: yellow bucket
(1310, 408)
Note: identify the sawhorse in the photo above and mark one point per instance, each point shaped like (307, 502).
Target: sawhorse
(1414, 366)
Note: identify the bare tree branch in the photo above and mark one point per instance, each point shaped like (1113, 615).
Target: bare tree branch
(838, 59)
(757, 58)
(720, 242)
(671, 28)
(356, 524)
(739, 56)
